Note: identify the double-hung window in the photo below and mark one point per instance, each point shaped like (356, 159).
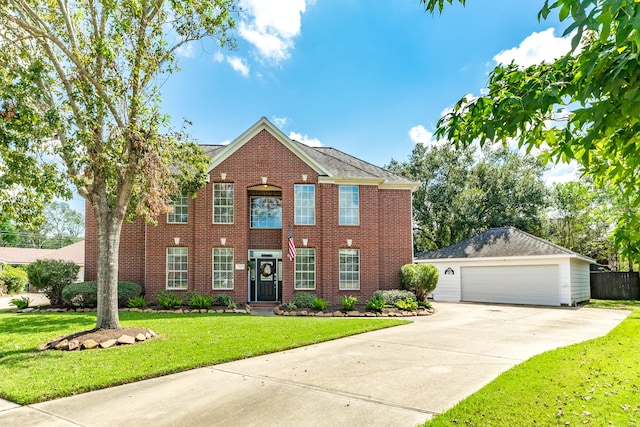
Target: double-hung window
(180, 214)
(349, 269)
(177, 268)
(222, 268)
(305, 269)
(349, 204)
(305, 204)
(222, 203)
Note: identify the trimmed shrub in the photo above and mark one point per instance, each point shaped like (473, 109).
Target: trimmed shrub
(225, 300)
(13, 279)
(20, 303)
(85, 294)
(419, 278)
(304, 299)
(407, 304)
(348, 302)
(319, 304)
(390, 297)
(51, 277)
(137, 302)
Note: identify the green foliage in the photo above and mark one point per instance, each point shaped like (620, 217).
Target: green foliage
(582, 107)
(197, 301)
(21, 303)
(304, 299)
(407, 304)
(291, 306)
(348, 302)
(426, 280)
(51, 277)
(391, 296)
(168, 300)
(376, 303)
(85, 294)
(225, 300)
(12, 279)
(462, 194)
(137, 302)
(319, 304)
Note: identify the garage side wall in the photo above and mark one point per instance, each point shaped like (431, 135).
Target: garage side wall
(580, 281)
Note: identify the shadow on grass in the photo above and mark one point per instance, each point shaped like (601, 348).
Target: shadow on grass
(35, 323)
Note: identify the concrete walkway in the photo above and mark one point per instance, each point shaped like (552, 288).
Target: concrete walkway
(394, 377)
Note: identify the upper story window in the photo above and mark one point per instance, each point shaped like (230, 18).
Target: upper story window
(349, 204)
(180, 214)
(305, 204)
(266, 212)
(222, 203)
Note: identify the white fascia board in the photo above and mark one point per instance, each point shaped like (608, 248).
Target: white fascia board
(506, 258)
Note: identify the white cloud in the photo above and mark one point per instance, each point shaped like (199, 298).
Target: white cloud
(535, 49)
(280, 121)
(237, 63)
(561, 173)
(185, 50)
(312, 142)
(226, 142)
(271, 26)
(420, 135)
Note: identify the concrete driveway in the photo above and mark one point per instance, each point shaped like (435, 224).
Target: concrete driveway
(394, 377)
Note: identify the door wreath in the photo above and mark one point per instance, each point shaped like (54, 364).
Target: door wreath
(265, 269)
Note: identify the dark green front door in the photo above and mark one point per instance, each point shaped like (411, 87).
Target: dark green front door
(267, 278)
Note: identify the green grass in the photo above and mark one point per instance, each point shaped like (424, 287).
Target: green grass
(594, 383)
(614, 304)
(186, 341)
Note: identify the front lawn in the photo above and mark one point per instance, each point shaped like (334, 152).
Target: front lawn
(594, 383)
(186, 341)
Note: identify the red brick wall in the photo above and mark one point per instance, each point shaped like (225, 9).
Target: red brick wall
(383, 236)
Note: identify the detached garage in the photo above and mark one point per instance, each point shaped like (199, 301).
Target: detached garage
(507, 265)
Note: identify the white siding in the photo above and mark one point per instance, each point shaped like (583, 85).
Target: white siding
(580, 281)
(515, 284)
(448, 288)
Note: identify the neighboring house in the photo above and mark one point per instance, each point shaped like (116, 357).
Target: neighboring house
(507, 265)
(350, 223)
(22, 256)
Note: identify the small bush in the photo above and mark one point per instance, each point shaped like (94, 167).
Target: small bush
(291, 306)
(407, 304)
(137, 302)
(319, 304)
(51, 276)
(419, 278)
(20, 303)
(85, 294)
(348, 302)
(304, 299)
(197, 301)
(169, 300)
(424, 304)
(390, 297)
(13, 279)
(376, 303)
(225, 300)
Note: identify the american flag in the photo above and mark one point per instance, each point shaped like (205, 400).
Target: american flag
(292, 246)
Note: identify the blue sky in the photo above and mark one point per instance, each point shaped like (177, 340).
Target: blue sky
(370, 78)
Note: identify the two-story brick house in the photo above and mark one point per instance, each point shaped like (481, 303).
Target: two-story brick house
(350, 222)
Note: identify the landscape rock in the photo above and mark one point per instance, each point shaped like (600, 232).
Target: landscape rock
(141, 337)
(89, 344)
(62, 345)
(108, 343)
(126, 339)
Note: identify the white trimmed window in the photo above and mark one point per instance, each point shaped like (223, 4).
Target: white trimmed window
(177, 268)
(305, 269)
(222, 203)
(180, 214)
(223, 268)
(305, 204)
(349, 204)
(349, 269)
(266, 212)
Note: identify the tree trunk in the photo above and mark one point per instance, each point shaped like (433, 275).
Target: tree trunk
(107, 283)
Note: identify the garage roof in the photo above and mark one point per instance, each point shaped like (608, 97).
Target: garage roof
(500, 242)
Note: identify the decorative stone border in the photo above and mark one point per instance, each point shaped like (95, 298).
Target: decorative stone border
(386, 312)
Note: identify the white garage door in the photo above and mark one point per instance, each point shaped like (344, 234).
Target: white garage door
(518, 284)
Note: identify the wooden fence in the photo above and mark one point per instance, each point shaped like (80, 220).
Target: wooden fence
(615, 286)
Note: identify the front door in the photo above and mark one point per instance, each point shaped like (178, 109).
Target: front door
(267, 279)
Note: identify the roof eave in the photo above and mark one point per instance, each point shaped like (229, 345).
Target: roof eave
(507, 258)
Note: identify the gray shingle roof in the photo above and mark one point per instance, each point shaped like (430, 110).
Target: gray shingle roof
(498, 242)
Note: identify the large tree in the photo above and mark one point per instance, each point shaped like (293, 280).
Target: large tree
(462, 193)
(80, 79)
(584, 106)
